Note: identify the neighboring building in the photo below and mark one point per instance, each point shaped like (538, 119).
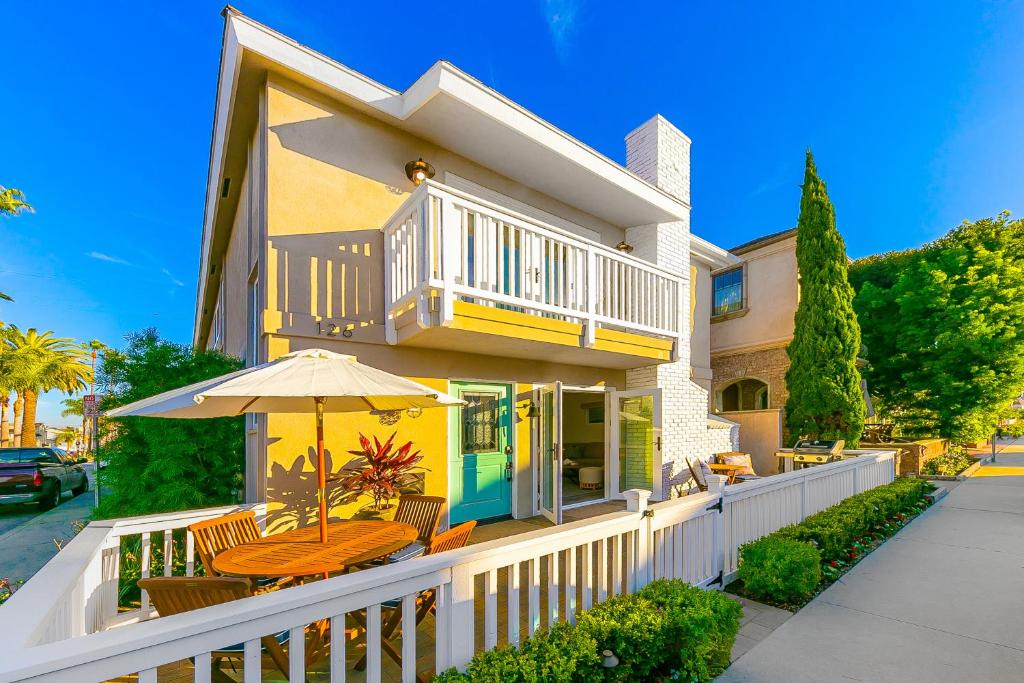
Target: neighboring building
(561, 294)
(753, 304)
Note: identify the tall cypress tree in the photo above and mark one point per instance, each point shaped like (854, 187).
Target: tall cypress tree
(825, 399)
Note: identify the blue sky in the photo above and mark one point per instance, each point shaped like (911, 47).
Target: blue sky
(914, 110)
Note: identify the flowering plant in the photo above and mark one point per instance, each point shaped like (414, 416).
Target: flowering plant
(381, 471)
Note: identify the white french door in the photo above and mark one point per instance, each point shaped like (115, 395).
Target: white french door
(635, 435)
(549, 457)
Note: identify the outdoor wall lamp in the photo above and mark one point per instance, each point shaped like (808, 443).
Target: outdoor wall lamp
(418, 171)
(532, 410)
(625, 247)
(414, 412)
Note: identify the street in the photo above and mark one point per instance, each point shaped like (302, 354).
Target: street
(29, 538)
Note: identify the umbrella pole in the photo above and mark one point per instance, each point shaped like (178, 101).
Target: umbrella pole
(321, 474)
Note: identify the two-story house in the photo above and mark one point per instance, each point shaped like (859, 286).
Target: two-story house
(447, 234)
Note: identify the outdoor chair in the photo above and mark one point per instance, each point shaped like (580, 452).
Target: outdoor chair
(214, 536)
(177, 594)
(422, 512)
(697, 473)
(425, 601)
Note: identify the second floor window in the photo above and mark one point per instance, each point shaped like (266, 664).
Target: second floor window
(728, 292)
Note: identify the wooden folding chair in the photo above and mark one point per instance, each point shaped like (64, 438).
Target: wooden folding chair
(214, 536)
(177, 594)
(422, 512)
(697, 474)
(425, 601)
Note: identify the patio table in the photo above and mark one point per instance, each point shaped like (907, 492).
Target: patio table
(729, 471)
(299, 552)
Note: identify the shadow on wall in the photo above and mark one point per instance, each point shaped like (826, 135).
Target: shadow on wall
(354, 143)
(336, 275)
(295, 487)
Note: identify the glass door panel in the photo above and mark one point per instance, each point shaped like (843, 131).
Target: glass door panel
(549, 444)
(636, 441)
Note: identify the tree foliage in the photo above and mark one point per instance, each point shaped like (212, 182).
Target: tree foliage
(12, 202)
(158, 464)
(33, 362)
(825, 398)
(943, 328)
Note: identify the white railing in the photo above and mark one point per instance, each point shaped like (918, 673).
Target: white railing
(76, 593)
(758, 507)
(443, 241)
(487, 595)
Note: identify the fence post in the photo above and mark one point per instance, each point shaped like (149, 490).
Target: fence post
(716, 486)
(636, 501)
(856, 476)
(460, 623)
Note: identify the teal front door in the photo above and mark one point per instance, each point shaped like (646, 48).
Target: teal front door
(480, 459)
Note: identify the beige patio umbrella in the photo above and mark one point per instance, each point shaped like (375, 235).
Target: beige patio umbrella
(311, 381)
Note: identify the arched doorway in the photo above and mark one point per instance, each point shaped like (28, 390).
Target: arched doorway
(743, 394)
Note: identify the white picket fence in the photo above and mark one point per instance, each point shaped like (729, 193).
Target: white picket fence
(62, 625)
(443, 241)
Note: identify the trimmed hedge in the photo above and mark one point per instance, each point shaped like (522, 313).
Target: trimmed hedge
(785, 566)
(669, 628)
(834, 530)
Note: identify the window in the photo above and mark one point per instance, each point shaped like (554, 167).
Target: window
(252, 352)
(728, 292)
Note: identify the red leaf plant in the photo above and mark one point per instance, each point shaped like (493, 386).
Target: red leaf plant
(380, 471)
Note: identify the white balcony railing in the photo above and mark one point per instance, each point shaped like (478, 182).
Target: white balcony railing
(446, 241)
(61, 625)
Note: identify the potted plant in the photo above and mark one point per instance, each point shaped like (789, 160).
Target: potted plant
(381, 472)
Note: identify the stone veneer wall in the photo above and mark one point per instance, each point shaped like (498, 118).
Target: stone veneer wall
(767, 365)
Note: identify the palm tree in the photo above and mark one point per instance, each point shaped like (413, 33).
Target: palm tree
(68, 436)
(5, 392)
(12, 202)
(39, 363)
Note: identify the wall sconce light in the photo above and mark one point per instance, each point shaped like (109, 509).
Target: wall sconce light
(418, 171)
(624, 247)
(532, 410)
(414, 412)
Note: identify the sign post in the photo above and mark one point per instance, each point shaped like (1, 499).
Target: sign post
(90, 409)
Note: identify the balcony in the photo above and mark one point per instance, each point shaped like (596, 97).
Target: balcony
(462, 272)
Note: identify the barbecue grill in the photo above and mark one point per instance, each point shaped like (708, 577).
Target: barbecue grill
(808, 452)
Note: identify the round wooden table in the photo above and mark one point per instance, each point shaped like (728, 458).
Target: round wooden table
(299, 552)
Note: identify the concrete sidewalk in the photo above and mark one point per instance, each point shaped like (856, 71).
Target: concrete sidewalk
(941, 601)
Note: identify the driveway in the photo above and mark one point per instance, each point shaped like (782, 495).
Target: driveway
(941, 601)
(29, 538)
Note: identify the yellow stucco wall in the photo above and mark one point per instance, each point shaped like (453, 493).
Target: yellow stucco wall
(334, 176)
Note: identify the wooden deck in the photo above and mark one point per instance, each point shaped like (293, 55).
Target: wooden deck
(183, 672)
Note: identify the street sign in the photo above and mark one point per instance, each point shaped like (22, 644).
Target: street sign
(89, 406)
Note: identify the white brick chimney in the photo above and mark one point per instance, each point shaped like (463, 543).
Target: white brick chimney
(659, 153)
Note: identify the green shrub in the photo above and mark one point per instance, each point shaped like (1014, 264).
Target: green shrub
(701, 624)
(779, 568)
(948, 465)
(834, 530)
(667, 629)
(564, 653)
(634, 629)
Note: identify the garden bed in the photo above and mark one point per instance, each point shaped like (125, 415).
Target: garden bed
(956, 465)
(791, 566)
